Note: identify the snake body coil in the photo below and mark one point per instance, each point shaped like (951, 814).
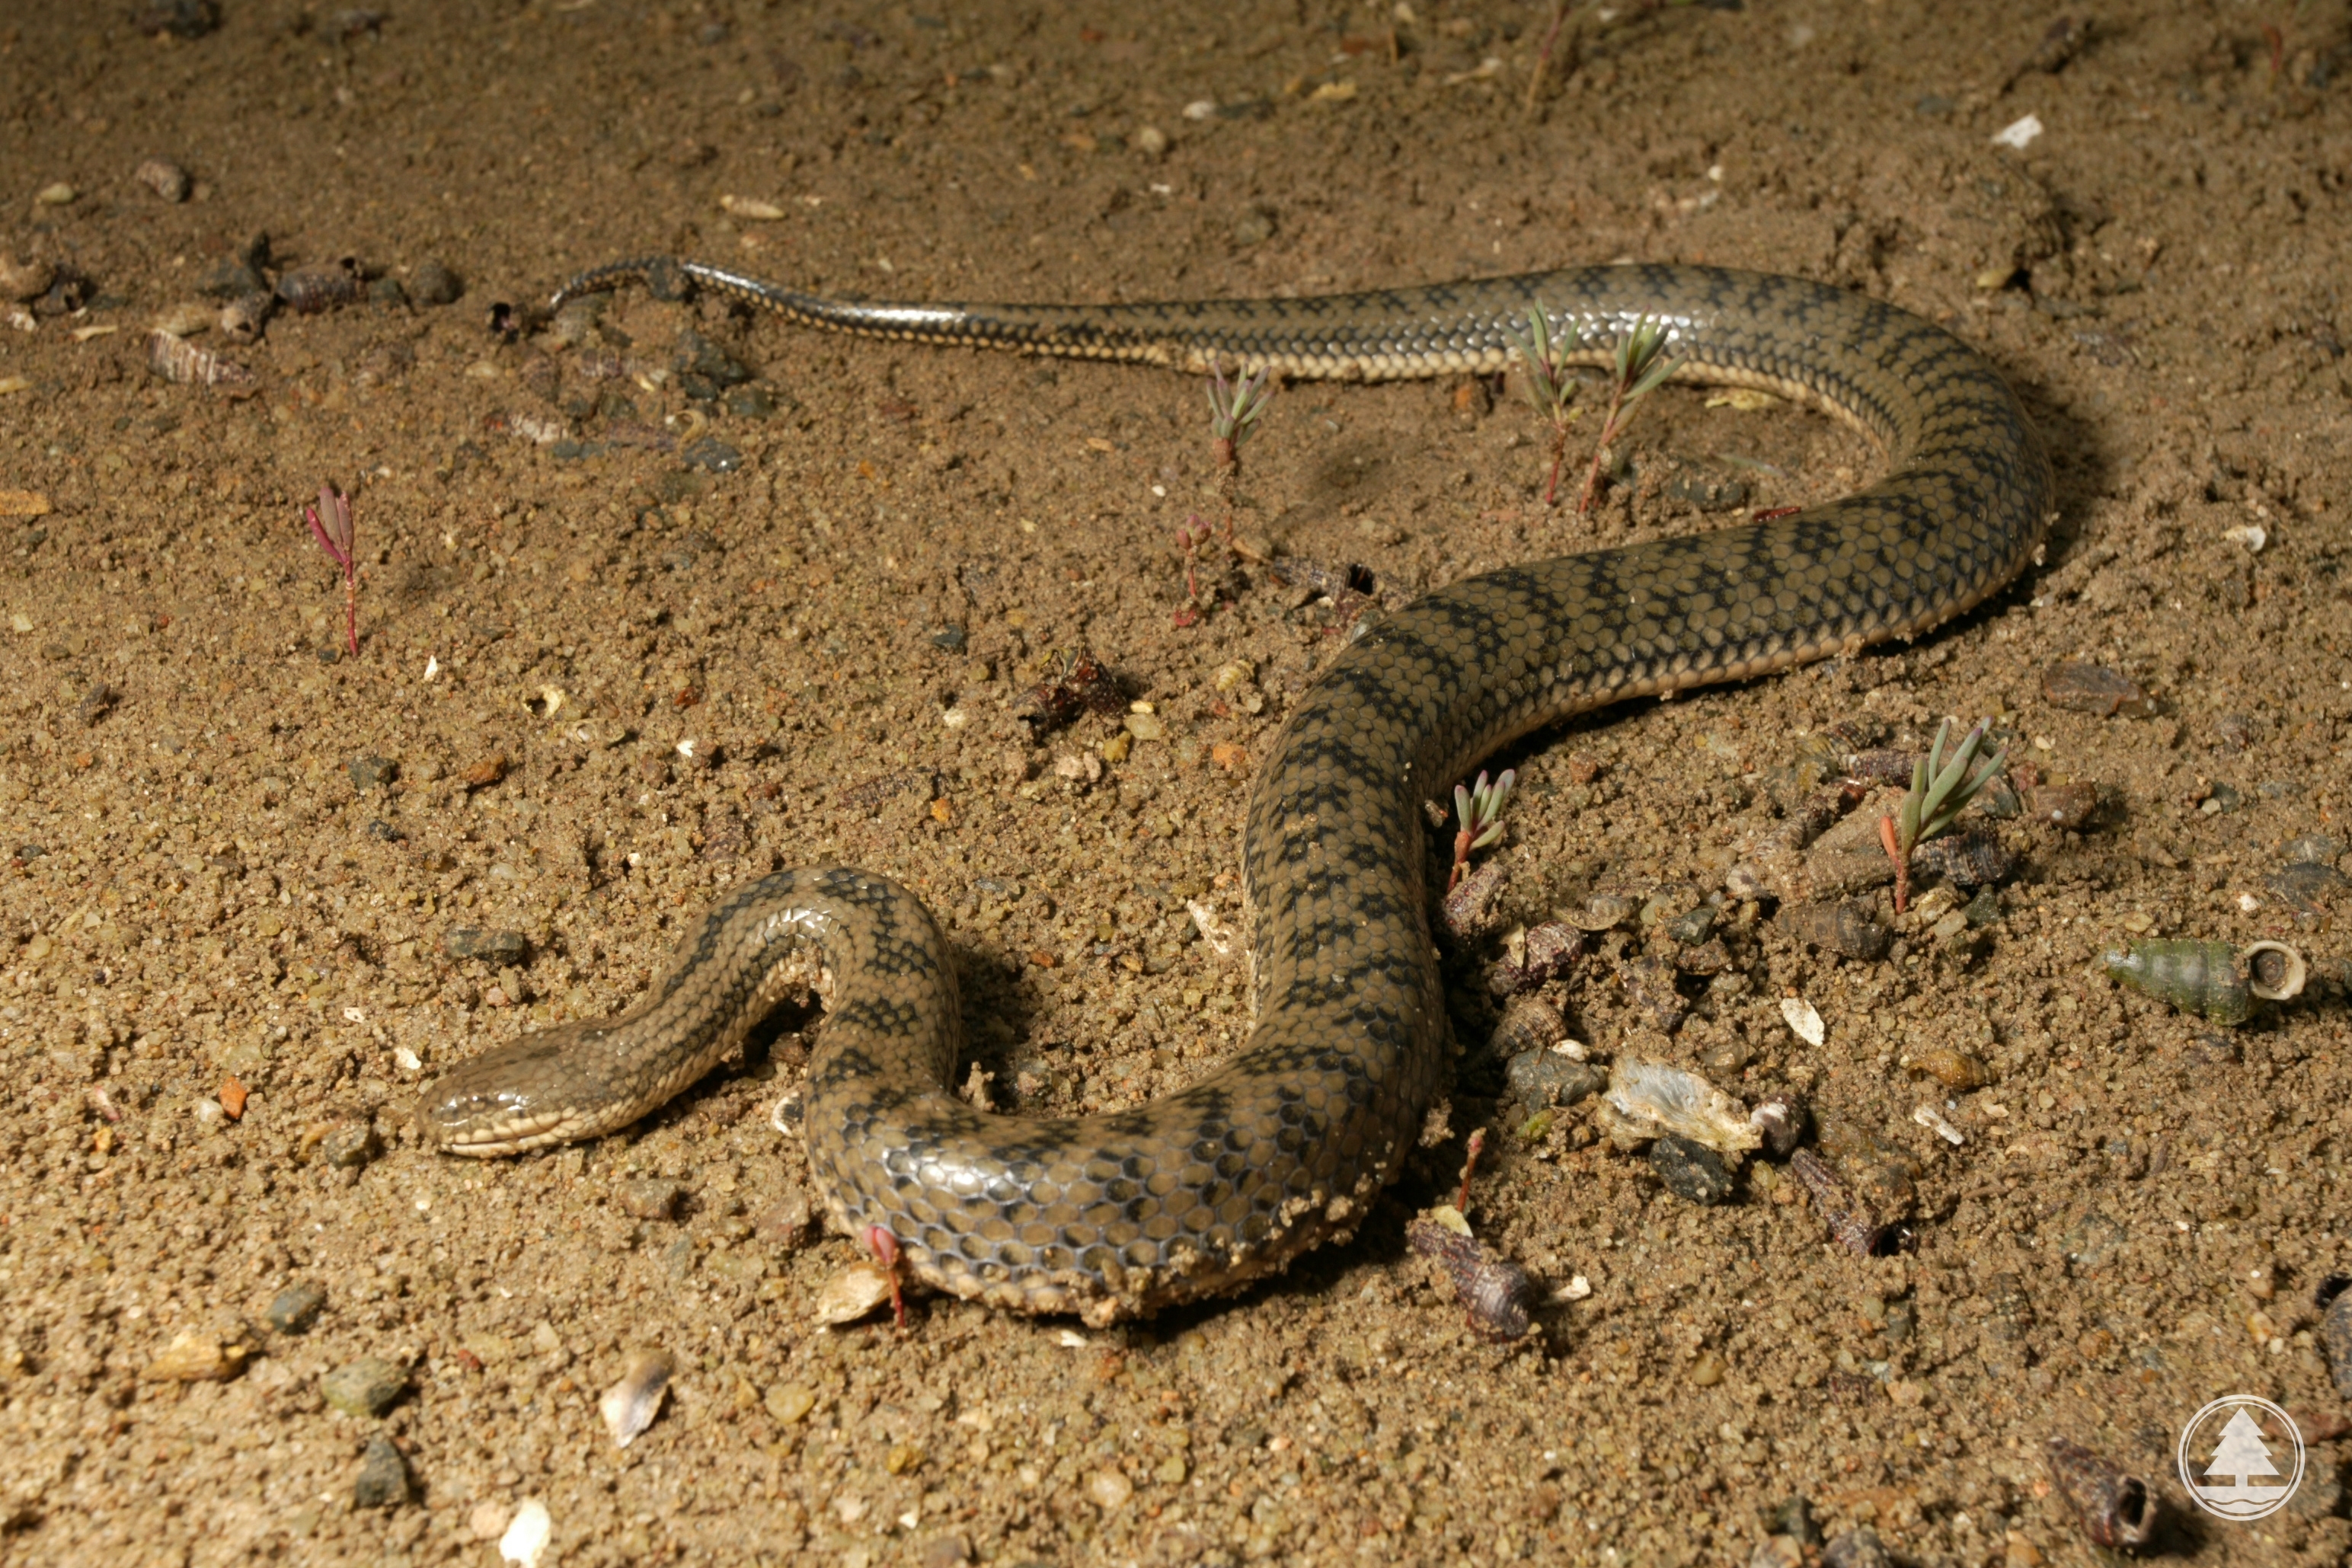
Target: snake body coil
(1286, 1145)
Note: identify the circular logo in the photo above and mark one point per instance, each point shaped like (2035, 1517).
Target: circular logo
(2241, 1458)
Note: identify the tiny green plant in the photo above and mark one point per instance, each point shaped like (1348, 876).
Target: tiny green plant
(1549, 385)
(1234, 409)
(1479, 808)
(1641, 366)
(1940, 790)
(330, 521)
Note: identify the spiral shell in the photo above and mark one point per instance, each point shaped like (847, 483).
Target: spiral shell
(1957, 1070)
(1974, 859)
(1846, 928)
(177, 359)
(1493, 1289)
(164, 177)
(2115, 1508)
(2213, 979)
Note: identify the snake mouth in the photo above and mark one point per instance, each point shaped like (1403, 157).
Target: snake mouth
(458, 1124)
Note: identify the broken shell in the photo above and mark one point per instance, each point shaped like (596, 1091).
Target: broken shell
(1493, 1289)
(1780, 1121)
(22, 280)
(2218, 982)
(1803, 1021)
(1651, 1099)
(1849, 929)
(177, 359)
(242, 318)
(1527, 1025)
(310, 291)
(1957, 1070)
(1534, 956)
(2275, 971)
(1852, 1217)
(630, 1406)
(164, 177)
(2115, 1508)
(852, 1293)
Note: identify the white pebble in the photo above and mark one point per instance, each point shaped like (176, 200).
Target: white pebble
(1803, 1019)
(2253, 535)
(526, 1538)
(1201, 108)
(2018, 134)
(1933, 1120)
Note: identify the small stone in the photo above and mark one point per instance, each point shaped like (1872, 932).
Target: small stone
(488, 1521)
(297, 1307)
(1149, 139)
(790, 1402)
(59, 194)
(649, 1198)
(1254, 228)
(1706, 1371)
(947, 1552)
(164, 177)
(2064, 806)
(193, 1357)
(1544, 1077)
(1171, 1471)
(1109, 1489)
(371, 772)
(351, 1146)
(1691, 1170)
(1707, 492)
(750, 403)
(1859, 1547)
(2093, 688)
(384, 1476)
(24, 280)
(366, 1387)
(902, 1457)
(476, 942)
(2336, 1338)
(433, 283)
(188, 19)
(785, 1222)
(1783, 1119)
(712, 455)
(1690, 930)
(386, 294)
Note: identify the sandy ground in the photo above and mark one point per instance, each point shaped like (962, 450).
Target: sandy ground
(238, 861)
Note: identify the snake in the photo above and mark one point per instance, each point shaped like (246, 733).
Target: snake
(1286, 1144)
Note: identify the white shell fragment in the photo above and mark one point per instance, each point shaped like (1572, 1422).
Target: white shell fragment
(1651, 1099)
(852, 1293)
(630, 1406)
(2253, 535)
(1803, 1019)
(526, 1538)
(1933, 1120)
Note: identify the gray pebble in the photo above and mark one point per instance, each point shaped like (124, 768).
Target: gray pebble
(785, 1222)
(1691, 1171)
(1253, 227)
(384, 1476)
(1690, 930)
(435, 284)
(1544, 1077)
(349, 1147)
(712, 455)
(372, 772)
(297, 1307)
(385, 293)
(474, 942)
(1856, 1549)
(2336, 1338)
(649, 1198)
(366, 1387)
(1706, 492)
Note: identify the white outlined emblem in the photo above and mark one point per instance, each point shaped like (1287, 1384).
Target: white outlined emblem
(2241, 1458)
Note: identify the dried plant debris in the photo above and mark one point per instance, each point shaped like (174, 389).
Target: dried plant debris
(2115, 1507)
(1494, 1290)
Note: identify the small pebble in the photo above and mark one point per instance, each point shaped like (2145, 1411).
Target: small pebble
(630, 1406)
(1957, 1070)
(1542, 1076)
(1848, 929)
(371, 772)
(23, 280)
(790, 1402)
(1782, 1120)
(1691, 1170)
(1858, 1548)
(56, 195)
(297, 1307)
(712, 455)
(193, 1357)
(488, 1521)
(165, 178)
(649, 1198)
(2065, 806)
(435, 284)
(527, 1537)
(1149, 140)
(383, 1480)
(473, 942)
(785, 1222)
(366, 1387)
(1109, 1488)
(2093, 688)
(2336, 1339)
(947, 1552)
(351, 1146)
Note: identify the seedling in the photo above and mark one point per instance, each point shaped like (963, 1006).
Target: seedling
(1479, 808)
(1548, 387)
(1940, 790)
(1234, 409)
(1641, 366)
(330, 521)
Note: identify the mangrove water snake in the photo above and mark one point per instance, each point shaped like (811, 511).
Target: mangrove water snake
(1286, 1145)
